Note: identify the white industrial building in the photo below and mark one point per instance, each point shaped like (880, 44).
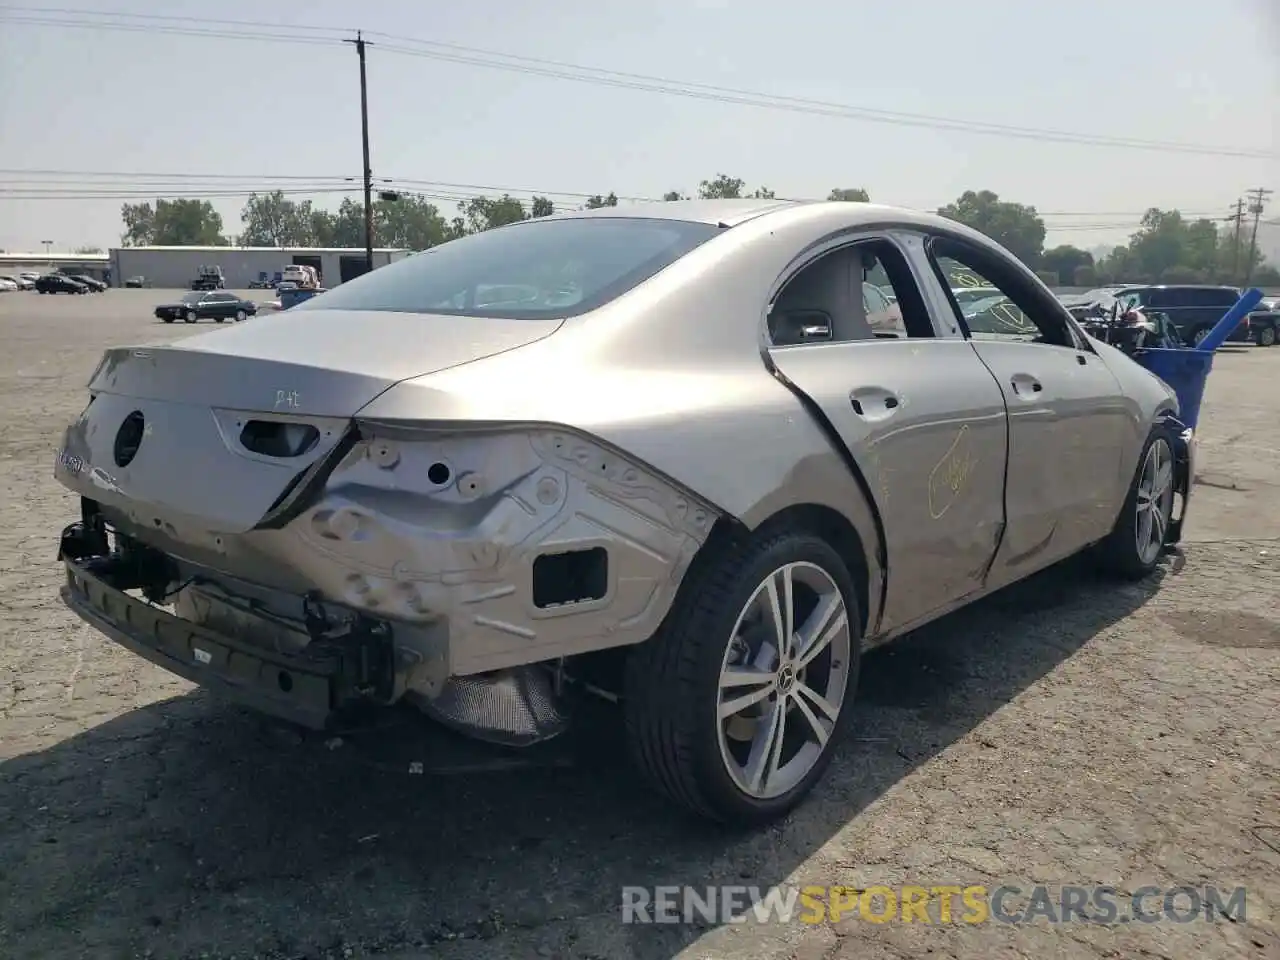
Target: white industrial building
(93, 264)
(178, 266)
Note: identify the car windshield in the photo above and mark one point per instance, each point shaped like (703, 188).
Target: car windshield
(538, 269)
(192, 297)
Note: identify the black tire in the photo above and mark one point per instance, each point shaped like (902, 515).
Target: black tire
(672, 687)
(218, 320)
(1267, 337)
(240, 315)
(167, 319)
(191, 316)
(1195, 336)
(1119, 553)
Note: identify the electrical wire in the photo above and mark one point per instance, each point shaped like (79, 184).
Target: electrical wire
(556, 69)
(46, 183)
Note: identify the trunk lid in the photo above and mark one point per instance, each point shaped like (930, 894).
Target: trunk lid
(325, 363)
(200, 437)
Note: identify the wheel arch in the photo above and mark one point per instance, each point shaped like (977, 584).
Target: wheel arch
(820, 520)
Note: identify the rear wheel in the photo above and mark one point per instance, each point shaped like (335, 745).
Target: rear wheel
(1198, 335)
(1135, 544)
(1267, 337)
(735, 706)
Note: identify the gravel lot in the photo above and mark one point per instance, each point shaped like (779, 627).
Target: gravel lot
(1063, 732)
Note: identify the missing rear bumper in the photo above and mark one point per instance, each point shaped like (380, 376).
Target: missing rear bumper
(308, 688)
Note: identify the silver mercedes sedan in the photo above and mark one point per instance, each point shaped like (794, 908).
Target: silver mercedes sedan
(670, 454)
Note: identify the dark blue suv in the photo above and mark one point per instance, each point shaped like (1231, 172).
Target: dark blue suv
(1192, 309)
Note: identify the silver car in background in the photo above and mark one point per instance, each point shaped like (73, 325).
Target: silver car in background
(678, 453)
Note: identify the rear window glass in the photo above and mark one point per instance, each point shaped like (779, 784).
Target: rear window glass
(538, 269)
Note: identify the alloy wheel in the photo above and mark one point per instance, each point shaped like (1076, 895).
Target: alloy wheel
(1155, 500)
(783, 680)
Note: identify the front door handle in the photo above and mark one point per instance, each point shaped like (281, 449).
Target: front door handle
(874, 403)
(1025, 385)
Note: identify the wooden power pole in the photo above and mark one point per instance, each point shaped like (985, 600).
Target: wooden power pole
(360, 46)
(1237, 217)
(1258, 199)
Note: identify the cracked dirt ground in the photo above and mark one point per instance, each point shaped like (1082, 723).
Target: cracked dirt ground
(1064, 731)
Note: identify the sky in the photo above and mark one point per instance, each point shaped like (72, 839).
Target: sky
(227, 115)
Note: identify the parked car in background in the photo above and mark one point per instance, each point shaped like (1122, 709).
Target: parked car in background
(1264, 323)
(1192, 309)
(687, 472)
(8, 286)
(218, 305)
(59, 283)
(21, 282)
(137, 283)
(33, 277)
(97, 286)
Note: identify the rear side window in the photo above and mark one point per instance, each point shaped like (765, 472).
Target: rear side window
(535, 270)
(1213, 297)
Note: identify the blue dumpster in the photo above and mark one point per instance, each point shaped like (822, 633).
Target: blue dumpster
(1187, 369)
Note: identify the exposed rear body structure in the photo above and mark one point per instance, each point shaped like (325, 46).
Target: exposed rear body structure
(722, 447)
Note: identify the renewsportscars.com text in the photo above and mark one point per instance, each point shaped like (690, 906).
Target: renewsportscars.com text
(935, 903)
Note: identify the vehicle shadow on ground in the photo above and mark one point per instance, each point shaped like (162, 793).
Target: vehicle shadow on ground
(192, 828)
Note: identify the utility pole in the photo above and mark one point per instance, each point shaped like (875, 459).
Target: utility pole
(1237, 217)
(1258, 197)
(364, 140)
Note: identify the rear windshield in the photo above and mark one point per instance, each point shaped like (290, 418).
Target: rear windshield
(535, 270)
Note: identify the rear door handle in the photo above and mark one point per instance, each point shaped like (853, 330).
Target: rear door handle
(1025, 385)
(874, 403)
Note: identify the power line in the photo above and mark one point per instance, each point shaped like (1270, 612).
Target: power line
(148, 182)
(474, 56)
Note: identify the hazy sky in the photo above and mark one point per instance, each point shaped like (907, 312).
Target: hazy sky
(141, 104)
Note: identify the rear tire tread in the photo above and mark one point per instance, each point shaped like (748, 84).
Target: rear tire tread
(662, 675)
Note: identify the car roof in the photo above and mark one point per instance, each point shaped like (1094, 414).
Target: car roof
(729, 213)
(715, 212)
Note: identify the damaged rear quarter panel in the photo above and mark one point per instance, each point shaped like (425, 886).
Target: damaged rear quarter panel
(385, 538)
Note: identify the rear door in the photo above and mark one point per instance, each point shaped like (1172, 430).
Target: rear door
(920, 415)
(1068, 420)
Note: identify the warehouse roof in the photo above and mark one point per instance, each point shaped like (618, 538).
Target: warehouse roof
(53, 258)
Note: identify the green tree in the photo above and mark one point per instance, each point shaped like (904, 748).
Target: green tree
(1016, 227)
(411, 222)
(541, 207)
(485, 213)
(172, 223)
(1064, 261)
(596, 202)
(273, 220)
(723, 187)
(1167, 248)
(674, 195)
(1265, 276)
(854, 194)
